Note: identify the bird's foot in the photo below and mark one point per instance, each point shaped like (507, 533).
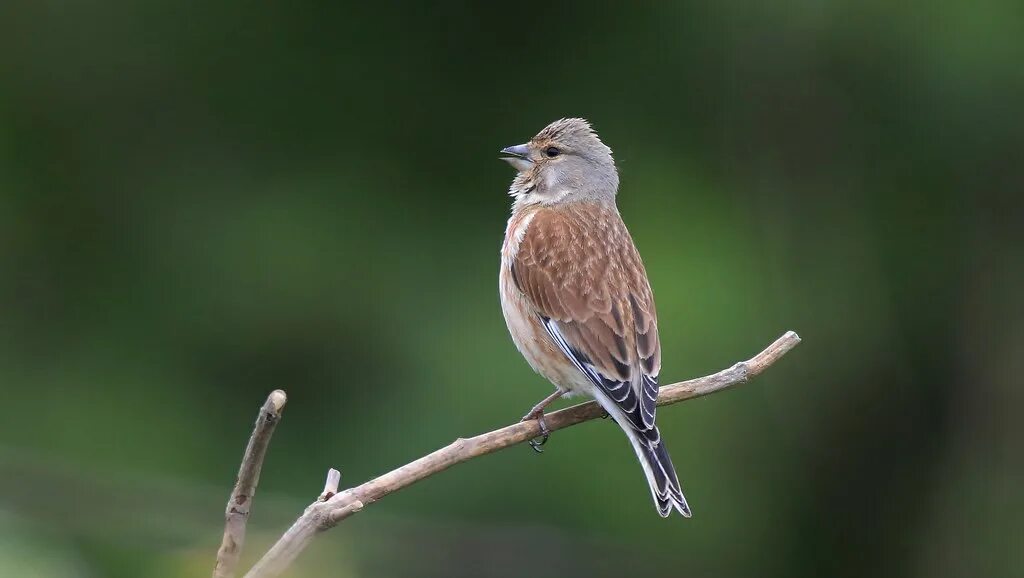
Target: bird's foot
(537, 413)
(542, 439)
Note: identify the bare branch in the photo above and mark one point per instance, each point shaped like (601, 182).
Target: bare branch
(321, 515)
(240, 502)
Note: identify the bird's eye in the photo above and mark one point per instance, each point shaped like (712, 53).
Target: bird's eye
(552, 152)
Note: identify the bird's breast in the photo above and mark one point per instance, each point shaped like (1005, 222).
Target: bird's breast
(518, 223)
(523, 320)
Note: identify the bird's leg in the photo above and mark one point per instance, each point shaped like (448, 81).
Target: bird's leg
(538, 410)
(537, 413)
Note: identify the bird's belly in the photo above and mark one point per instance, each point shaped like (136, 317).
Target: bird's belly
(533, 342)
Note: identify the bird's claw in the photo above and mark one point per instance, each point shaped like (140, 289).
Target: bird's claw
(545, 433)
(543, 437)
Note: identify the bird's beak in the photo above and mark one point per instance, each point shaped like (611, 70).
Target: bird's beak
(517, 156)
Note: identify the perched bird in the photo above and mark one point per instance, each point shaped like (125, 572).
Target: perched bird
(575, 293)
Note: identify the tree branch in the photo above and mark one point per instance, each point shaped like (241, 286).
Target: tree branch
(326, 512)
(240, 501)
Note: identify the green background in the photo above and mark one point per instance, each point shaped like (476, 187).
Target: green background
(204, 201)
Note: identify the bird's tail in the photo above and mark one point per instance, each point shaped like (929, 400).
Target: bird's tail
(661, 475)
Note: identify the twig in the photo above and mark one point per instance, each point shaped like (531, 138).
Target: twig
(240, 502)
(331, 485)
(322, 515)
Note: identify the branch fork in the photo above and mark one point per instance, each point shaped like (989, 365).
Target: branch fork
(332, 506)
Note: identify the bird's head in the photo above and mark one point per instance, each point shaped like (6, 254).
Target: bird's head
(566, 161)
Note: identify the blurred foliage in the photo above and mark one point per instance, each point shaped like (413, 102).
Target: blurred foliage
(203, 201)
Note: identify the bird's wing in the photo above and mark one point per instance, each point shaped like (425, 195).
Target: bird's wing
(579, 269)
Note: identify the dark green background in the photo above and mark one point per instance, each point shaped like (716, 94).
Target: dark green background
(203, 201)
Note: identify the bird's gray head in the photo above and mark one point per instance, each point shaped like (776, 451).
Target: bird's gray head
(566, 161)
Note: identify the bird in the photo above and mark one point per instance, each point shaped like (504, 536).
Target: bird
(575, 294)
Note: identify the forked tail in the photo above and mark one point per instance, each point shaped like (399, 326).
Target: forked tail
(661, 475)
